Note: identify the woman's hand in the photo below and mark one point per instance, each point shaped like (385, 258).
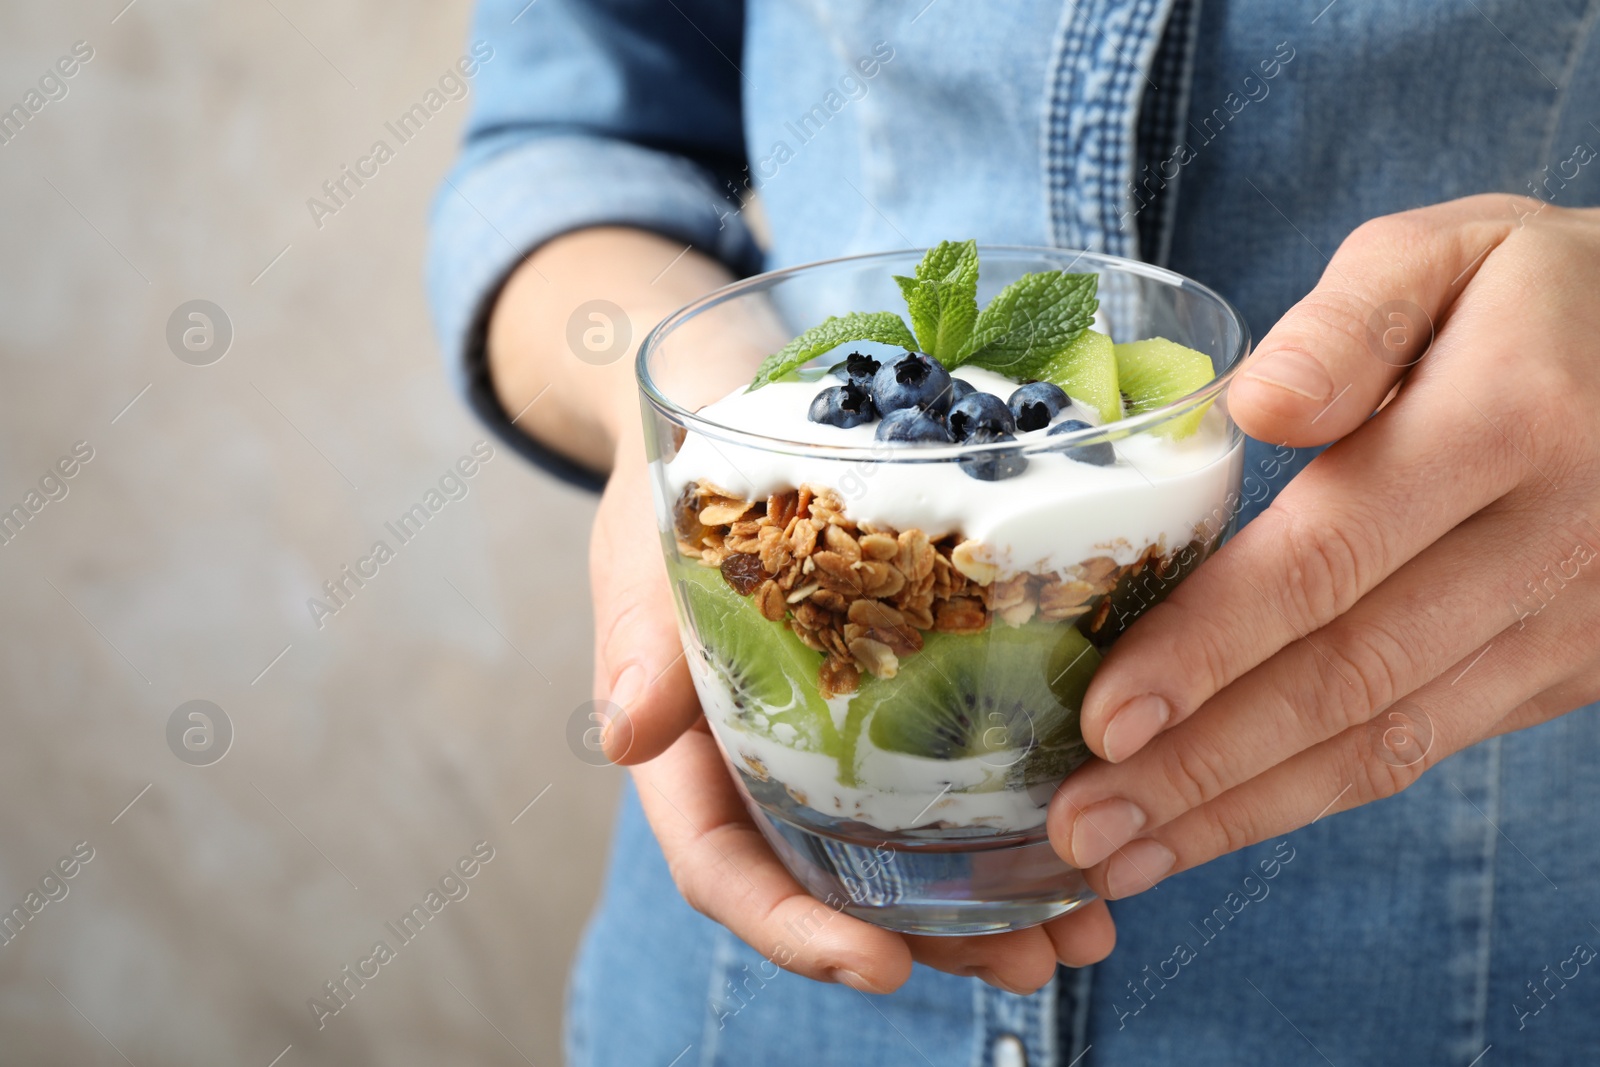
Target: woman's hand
(1428, 582)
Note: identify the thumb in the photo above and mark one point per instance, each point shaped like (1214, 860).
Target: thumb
(640, 669)
(1333, 358)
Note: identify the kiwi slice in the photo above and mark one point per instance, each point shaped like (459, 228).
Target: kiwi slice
(1156, 372)
(999, 691)
(770, 673)
(1087, 370)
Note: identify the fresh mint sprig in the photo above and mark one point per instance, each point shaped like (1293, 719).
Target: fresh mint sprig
(1027, 324)
(943, 299)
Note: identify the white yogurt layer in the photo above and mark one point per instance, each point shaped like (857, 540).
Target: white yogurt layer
(1056, 513)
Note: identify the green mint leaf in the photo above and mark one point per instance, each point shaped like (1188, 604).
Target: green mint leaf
(943, 299)
(950, 261)
(923, 304)
(1031, 320)
(883, 326)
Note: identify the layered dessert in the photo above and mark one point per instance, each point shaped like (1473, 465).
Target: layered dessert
(896, 601)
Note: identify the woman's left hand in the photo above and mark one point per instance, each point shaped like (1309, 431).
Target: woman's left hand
(1427, 582)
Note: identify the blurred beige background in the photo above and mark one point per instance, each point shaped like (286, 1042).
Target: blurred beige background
(373, 753)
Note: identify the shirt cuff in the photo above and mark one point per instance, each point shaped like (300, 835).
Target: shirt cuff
(501, 203)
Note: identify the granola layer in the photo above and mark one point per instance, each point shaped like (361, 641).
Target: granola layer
(864, 594)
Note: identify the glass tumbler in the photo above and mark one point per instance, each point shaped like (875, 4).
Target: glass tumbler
(891, 652)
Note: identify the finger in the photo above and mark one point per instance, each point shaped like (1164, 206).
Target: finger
(1084, 936)
(726, 871)
(1368, 762)
(1018, 961)
(1358, 512)
(1329, 362)
(1576, 692)
(1435, 610)
(639, 658)
(1022, 961)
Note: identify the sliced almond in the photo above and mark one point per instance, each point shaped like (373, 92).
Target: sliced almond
(969, 557)
(722, 511)
(1018, 614)
(802, 592)
(875, 657)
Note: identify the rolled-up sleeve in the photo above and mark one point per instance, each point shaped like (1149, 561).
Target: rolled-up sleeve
(586, 113)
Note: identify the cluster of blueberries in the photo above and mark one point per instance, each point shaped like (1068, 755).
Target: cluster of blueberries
(920, 403)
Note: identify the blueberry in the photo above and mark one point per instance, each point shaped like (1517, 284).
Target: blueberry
(914, 380)
(960, 390)
(914, 426)
(857, 369)
(993, 466)
(1100, 453)
(1035, 404)
(979, 412)
(843, 406)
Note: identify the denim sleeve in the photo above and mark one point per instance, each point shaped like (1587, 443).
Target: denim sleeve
(587, 112)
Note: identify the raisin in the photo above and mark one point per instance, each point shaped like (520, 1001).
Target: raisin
(686, 515)
(744, 572)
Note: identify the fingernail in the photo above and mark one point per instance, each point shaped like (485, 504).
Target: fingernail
(1295, 371)
(1139, 866)
(1101, 829)
(1133, 724)
(629, 684)
(852, 979)
(984, 974)
(627, 688)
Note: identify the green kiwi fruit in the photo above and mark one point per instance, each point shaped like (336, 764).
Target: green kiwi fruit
(1157, 372)
(770, 673)
(966, 695)
(1087, 371)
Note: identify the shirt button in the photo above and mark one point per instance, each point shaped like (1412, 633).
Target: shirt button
(1007, 1051)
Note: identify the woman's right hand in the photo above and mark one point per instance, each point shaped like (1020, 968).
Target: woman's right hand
(719, 860)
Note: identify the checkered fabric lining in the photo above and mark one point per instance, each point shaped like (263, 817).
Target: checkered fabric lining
(1161, 116)
(1103, 49)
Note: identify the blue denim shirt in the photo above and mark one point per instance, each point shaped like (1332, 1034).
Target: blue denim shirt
(1238, 141)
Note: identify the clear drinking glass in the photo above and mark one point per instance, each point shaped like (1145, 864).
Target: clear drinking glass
(918, 801)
